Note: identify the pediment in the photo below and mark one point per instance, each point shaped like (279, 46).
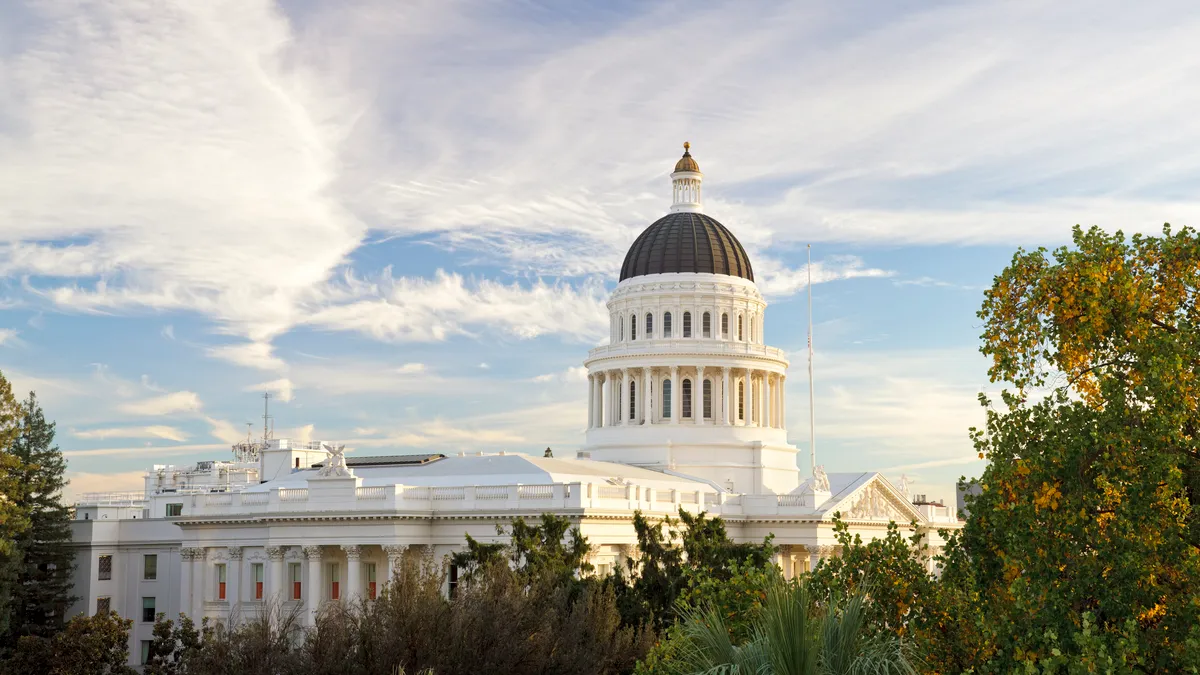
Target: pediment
(874, 499)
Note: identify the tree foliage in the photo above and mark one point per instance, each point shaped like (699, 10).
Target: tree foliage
(87, 645)
(14, 518)
(551, 550)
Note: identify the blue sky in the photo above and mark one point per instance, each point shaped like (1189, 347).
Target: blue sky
(403, 219)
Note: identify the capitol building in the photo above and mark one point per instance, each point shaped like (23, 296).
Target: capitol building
(686, 410)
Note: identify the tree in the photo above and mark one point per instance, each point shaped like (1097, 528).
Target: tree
(14, 516)
(792, 636)
(173, 645)
(553, 549)
(88, 645)
(42, 592)
(1084, 543)
(650, 588)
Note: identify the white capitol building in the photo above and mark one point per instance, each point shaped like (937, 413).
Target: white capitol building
(686, 410)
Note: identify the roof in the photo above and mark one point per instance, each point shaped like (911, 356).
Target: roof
(686, 243)
(388, 460)
(687, 163)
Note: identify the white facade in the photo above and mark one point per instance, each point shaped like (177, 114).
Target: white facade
(686, 411)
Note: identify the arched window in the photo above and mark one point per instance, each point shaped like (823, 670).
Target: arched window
(741, 400)
(739, 326)
(707, 398)
(666, 398)
(649, 325)
(687, 397)
(725, 326)
(667, 324)
(633, 327)
(706, 325)
(687, 324)
(633, 399)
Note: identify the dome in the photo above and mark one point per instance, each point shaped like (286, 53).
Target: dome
(687, 243)
(686, 163)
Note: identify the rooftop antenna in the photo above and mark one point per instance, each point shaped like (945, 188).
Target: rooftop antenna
(267, 419)
(812, 404)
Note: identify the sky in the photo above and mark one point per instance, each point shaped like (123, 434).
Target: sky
(403, 219)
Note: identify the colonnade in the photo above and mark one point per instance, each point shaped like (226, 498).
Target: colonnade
(290, 574)
(736, 397)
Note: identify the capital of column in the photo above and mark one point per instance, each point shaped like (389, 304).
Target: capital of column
(353, 551)
(235, 552)
(276, 553)
(394, 551)
(313, 553)
(191, 553)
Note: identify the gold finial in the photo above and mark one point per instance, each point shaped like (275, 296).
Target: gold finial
(686, 146)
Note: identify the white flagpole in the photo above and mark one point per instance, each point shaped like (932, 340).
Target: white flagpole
(812, 403)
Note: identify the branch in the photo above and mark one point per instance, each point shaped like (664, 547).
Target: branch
(1164, 325)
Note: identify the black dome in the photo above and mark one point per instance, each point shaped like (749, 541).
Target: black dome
(689, 243)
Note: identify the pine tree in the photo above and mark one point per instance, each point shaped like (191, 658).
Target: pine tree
(14, 518)
(43, 589)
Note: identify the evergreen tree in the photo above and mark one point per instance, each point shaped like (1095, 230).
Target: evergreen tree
(14, 519)
(42, 592)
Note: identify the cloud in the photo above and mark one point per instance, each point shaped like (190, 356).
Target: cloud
(167, 404)
(776, 280)
(225, 431)
(410, 369)
(145, 453)
(81, 482)
(259, 355)
(282, 388)
(8, 336)
(157, 431)
(572, 374)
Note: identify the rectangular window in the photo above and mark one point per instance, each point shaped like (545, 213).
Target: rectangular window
(708, 399)
(148, 610)
(687, 399)
(334, 582)
(103, 605)
(145, 654)
(371, 581)
(150, 567)
(666, 399)
(633, 328)
(452, 586)
(725, 326)
(221, 582)
(257, 569)
(104, 567)
(649, 326)
(174, 510)
(687, 324)
(741, 400)
(294, 575)
(632, 400)
(667, 324)
(706, 325)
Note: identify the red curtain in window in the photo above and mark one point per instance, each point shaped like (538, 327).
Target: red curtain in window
(371, 589)
(295, 590)
(221, 590)
(334, 594)
(258, 590)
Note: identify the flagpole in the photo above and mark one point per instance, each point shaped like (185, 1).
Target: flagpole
(812, 404)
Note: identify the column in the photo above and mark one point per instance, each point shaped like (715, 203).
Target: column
(783, 401)
(768, 404)
(314, 592)
(698, 414)
(353, 572)
(233, 578)
(647, 378)
(276, 582)
(625, 397)
(749, 398)
(676, 394)
(186, 555)
(394, 554)
(591, 401)
(726, 396)
(605, 401)
(199, 571)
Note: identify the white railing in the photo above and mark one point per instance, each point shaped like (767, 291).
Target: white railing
(535, 491)
(664, 496)
(372, 492)
(711, 499)
(110, 498)
(250, 498)
(488, 492)
(793, 500)
(219, 499)
(687, 498)
(658, 346)
(293, 494)
(448, 493)
(611, 492)
(419, 492)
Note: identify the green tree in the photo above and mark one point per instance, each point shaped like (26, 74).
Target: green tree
(552, 549)
(42, 592)
(792, 636)
(14, 515)
(1083, 546)
(87, 645)
(173, 645)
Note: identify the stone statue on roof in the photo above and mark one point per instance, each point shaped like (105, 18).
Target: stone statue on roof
(335, 466)
(820, 479)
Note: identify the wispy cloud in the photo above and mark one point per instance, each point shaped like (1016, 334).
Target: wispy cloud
(167, 404)
(156, 431)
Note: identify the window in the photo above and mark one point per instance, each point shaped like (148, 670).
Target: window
(687, 324)
(148, 610)
(453, 581)
(687, 398)
(150, 567)
(371, 581)
(334, 582)
(294, 575)
(739, 326)
(257, 570)
(649, 325)
(621, 329)
(752, 328)
(633, 327)
(297, 462)
(632, 400)
(725, 325)
(667, 324)
(105, 568)
(706, 325)
(741, 400)
(707, 399)
(221, 582)
(103, 605)
(145, 652)
(666, 397)
(174, 510)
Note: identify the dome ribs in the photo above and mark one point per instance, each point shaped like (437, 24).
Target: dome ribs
(686, 243)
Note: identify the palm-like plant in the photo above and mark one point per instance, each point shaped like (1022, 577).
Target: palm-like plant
(792, 637)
